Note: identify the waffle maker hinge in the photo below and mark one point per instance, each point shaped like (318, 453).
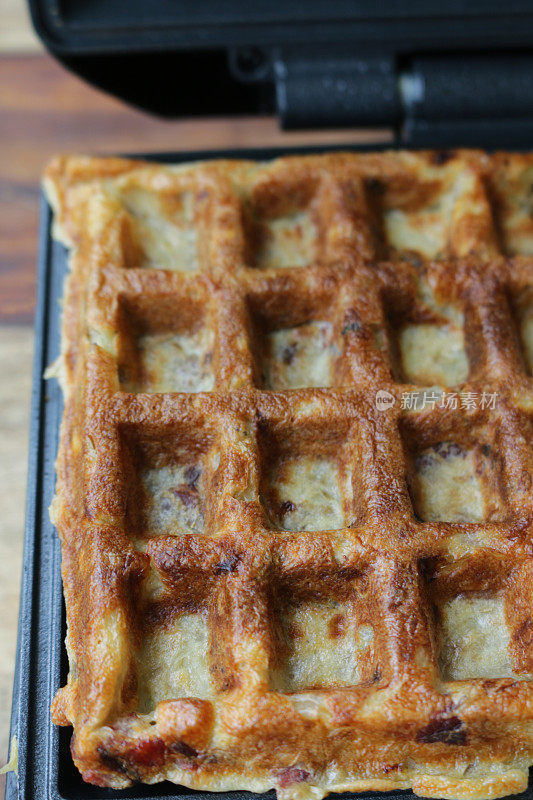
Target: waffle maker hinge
(446, 98)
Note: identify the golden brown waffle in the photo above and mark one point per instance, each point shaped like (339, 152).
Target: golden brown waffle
(278, 573)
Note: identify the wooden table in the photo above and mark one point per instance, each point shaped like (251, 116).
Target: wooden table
(46, 110)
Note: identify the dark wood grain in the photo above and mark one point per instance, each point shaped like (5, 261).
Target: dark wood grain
(45, 110)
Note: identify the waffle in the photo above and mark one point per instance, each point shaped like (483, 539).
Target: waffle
(294, 477)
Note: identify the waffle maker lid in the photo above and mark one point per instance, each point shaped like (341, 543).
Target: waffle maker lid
(438, 73)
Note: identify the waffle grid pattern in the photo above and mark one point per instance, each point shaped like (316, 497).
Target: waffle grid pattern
(311, 659)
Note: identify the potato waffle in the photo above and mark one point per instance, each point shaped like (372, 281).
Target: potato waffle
(294, 479)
